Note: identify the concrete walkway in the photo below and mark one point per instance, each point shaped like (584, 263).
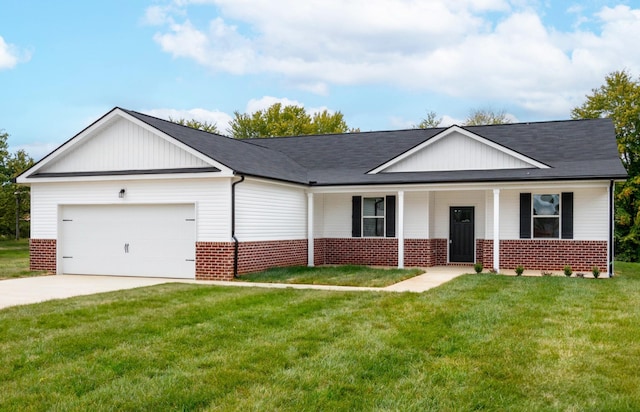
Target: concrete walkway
(25, 291)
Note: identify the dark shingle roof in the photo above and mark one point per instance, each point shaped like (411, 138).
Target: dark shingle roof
(574, 149)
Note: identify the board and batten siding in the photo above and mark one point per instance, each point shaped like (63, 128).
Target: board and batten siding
(470, 154)
(590, 212)
(270, 211)
(123, 145)
(212, 198)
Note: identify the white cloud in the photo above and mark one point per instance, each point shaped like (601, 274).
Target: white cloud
(36, 150)
(266, 101)
(455, 48)
(221, 119)
(10, 55)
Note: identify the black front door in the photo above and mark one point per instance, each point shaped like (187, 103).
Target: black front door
(461, 234)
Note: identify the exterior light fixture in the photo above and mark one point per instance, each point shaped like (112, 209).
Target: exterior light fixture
(121, 194)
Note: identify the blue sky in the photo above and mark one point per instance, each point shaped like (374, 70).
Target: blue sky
(382, 63)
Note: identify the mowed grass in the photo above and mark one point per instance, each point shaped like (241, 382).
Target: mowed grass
(14, 259)
(475, 343)
(347, 275)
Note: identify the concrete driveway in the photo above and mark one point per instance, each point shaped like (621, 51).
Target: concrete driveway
(25, 291)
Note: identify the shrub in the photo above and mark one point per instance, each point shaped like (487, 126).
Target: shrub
(478, 267)
(596, 271)
(567, 270)
(544, 273)
(519, 270)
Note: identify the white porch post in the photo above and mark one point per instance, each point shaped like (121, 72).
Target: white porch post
(310, 245)
(496, 229)
(400, 229)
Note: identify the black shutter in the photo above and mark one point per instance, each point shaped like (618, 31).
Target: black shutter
(567, 215)
(390, 216)
(525, 215)
(356, 216)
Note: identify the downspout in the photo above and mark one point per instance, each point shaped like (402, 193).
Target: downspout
(611, 234)
(233, 225)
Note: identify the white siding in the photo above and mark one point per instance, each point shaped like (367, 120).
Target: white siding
(337, 217)
(416, 215)
(457, 152)
(211, 196)
(444, 200)
(318, 215)
(123, 145)
(590, 212)
(266, 211)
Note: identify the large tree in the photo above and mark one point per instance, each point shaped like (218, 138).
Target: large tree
(11, 165)
(205, 126)
(619, 99)
(432, 120)
(479, 117)
(476, 117)
(290, 120)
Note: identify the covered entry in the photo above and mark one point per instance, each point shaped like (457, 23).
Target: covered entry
(129, 240)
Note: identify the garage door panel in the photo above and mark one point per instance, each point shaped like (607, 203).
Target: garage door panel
(130, 240)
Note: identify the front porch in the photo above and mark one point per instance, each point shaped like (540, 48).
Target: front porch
(438, 226)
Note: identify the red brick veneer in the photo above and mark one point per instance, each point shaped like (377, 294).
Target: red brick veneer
(361, 251)
(484, 253)
(214, 260)
(539, 254)
(425, 252)
(319, 247)
(42, 254)
(257, 256)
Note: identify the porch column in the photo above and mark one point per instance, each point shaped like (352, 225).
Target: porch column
(310, 245)
(496, 229)
(400, 230)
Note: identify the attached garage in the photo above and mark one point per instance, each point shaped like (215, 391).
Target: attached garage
(129, 240)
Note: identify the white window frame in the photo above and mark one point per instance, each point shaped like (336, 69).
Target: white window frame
(534, 216)
(383, 217)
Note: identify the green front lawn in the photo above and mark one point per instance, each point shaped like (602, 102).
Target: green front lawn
(14, 259)
(347, 275)
(477, 342)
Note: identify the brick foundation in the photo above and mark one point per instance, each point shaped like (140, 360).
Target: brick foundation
(539, 254)
(361, 251)
(484, 253)
(257, 256)
(425, 252)
(42, 254)
(214, 260)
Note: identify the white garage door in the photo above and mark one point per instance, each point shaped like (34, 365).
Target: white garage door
(129, 240)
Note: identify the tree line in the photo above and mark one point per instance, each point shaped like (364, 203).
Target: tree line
(14, 199)
(618, 98)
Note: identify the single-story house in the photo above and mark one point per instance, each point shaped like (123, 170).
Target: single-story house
(135, 195)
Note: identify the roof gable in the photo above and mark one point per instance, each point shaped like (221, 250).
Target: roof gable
(457, 149)
(123, 145)
(118, 144)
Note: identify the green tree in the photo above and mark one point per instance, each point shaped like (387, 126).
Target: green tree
(619, 99)
(290, 120)
(432, 120)
(479, 117)
(11, 165)
(196, 124)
